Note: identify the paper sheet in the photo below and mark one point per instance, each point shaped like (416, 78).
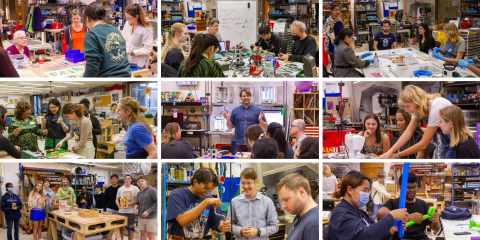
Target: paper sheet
(20, 72)
(331, 88)
(71, 156)
(279, 27)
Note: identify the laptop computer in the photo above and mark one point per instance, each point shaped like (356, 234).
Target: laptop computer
(223, 47)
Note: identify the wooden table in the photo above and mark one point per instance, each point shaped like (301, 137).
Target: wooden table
(227, 155)
(85, 226)
(102, 153)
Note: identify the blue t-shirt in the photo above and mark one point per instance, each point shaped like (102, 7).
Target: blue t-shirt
(136, 138)
(242, 118)
(182, 200)
(305, 227)
(385, 41)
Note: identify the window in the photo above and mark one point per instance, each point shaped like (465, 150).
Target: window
(37, 105)
(149, 100)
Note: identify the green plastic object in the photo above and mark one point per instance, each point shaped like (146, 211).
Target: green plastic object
(430, 212)
(62, 151)
(474, 224)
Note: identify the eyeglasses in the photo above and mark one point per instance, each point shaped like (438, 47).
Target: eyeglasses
(22, 38)
(365, 190)
(412, 188)
(206, 188)
(247, 183)
(263, 35)
(293, 126)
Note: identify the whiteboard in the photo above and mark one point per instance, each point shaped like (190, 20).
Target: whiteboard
(237, 22)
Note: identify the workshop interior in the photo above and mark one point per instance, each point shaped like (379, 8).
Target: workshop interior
(400, 39)
(36, 110)
(448, 189)
(178, 177)
(81, 211)
(200, 110)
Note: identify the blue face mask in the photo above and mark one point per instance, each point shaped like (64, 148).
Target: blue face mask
(10, 189)
(364, 198)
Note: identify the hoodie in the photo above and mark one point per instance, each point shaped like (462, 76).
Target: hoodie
(50, 194)
(7, 200)
(147, 201)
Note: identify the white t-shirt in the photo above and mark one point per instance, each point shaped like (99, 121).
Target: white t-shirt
(329, 183)
(132, 191)
(434, 107)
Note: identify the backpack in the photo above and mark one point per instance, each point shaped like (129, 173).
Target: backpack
(456, 213)
(370, 201)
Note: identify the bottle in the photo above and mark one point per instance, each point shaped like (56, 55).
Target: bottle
(430, 55)
(172, 172)
(185, 175)
(375, 61)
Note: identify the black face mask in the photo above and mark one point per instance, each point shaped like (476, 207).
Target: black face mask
(296, 38)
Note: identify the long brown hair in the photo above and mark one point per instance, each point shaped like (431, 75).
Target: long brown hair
(201, 43)
(408, 117)
(378, 132)
(352, 179)
(254, 132)
(21, 107)
(130, 103)
(34, 190)
(3, 124)
(169, 132)
(135, 9)
(70, 108)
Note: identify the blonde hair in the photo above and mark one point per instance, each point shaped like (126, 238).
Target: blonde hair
(130, 103)
(136, 9)
(460, 132)
(452, 30)
(169, 132)
(326, 171)
(34, 190)
(414, 94)
(176, 28)
(77, 12)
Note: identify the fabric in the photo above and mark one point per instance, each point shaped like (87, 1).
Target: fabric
(258, 213)
(168, 71)
(434, 107)
(29, 131)
(88, 150)
(345, 57)
(377, 150)
(138, 155)
(37, 20)
(330, 33)
(306, 226)
(329, 183)
(13, 50)
(37, 214)
(147, 202)
(110, 197)
(114, 87)
(451, 50)
(34, 202)
(137, 138)
(380, 193)
(346, 217)
(55, 131)
(303, 47)
(205, 68)
(289, 152)
(174, 58)
(12, 224)
(130, 218)
(63, 193)
(182, 200)
(385, 42)
(456, 213)
(112, 114)
(105, 53)
(427, 45)
(298, 142)
(149, 225)
(177, 150)
(77, 38)
(140, 42)
(6, 204)
(274, 41)
(467, 150)
(373, 215)
(242, 118)
(99, 200)
(88, 197)
(68, 36)
(416, 138)
(6, 145)
(83, 129)
(416, 231)
(7, 69)
(50, 194)
(132, 192)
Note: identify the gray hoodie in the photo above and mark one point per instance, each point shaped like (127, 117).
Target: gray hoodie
(147, 201)
(50, 194)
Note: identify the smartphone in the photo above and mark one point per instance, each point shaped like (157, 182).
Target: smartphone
(462, 233)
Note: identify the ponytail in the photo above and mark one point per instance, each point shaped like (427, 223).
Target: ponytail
(95, 12)
(276, 132)
(135, 10)
(201, 43)
(344, 33)
(174, 29)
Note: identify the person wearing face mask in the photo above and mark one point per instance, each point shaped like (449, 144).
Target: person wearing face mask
(200, 63)
(354, 192)
(346, 63)
(75, 33)
(104, 47)
(11, 206)
(416, 208)
(376, 141)
(171, 53)
(267, 40)
(138, 34)
(303, 44)
(66, 193)
(20, 46)
(56, 124)
(403, 120)
(5, 144)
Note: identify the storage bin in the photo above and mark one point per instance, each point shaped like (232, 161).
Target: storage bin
(56, 25)
(19, 60)
(74, 56)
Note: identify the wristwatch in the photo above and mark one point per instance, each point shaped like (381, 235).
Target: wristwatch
(396, 156)
(259, 232)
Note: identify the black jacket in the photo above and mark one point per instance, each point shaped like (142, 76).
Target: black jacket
(274, 44)
(168, 71)
(88, 198)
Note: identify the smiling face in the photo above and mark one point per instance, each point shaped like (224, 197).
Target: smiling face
(401, 123)
(128, 181)
(249, 186)
(245, 98)
(124, 115)
(445, 126)
(371, 125)
(71, 116)
(54, 109)
(132, 20)
(46, 184)
(76, 19)
(411, 191)
(142, 183)
(202, 189)
(39, 186)
(26, 113)
(421, 30)
(410, 107)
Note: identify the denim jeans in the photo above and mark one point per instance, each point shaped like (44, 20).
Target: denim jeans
(373, 216)
(12, 223)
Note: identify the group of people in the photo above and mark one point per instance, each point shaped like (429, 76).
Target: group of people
(192, 212)
(199, 62)
(250, 136)
(446, 130)
(61, 124)
(108, 51)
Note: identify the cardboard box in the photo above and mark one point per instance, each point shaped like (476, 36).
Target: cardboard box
(88, 213)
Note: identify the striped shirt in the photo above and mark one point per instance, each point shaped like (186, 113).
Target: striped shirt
(205, 68)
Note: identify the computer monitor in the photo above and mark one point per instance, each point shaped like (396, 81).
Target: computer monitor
(222, 46)
(274, 116)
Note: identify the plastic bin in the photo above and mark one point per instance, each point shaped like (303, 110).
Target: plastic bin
(19, 60)
(56, 25)
(74, 56)
(452, 97)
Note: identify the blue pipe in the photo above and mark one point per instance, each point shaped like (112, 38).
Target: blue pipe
(403, 195)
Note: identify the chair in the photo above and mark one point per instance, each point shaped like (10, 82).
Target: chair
(283, 46)
(168, 71)
(325, 233)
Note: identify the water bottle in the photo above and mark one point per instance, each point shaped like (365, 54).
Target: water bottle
(430, 55)
(375, 61)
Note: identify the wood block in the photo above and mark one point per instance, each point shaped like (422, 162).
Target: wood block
(88, 213)
(423, 58)
(68, 213)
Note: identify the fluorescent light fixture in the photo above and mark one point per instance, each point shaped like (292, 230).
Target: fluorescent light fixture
(73, 83)
(58, 86)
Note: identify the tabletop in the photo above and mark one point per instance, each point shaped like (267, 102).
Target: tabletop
(452, 226)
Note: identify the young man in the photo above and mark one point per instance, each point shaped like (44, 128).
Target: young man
(66, 193)
(416, 209)
(110, 199)
(131, 191)
(191, 211)
(379, 194)
(48, 192)
(146, 210)
(242, 117)
(99, 197)
(12, 213)
(113, 115)
(386, 39)
(298, 130)
(213, 28)
(303, 44)
(254, 215)
(267, 41)
(295, 194)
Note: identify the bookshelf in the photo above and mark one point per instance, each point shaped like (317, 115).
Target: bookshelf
(306, 107)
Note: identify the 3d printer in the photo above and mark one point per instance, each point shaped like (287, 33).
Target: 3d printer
(268, 94)
(224, 94)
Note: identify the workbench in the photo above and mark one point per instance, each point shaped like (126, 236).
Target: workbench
(36, 47)
(85, 226)
(452, 226)
(102, 152)
(292, 71)
(60, 156)
(226, 155)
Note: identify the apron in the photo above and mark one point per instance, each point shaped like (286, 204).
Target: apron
(55, 134)
(88, 151)
(139, 155)
(442, 145)
(449, 51)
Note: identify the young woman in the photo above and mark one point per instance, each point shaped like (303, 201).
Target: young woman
(461, 139)
(23, 129)
(403, 120)
(85, 199)
(139, 136)
(12, 213)
(424, 107)
(104, 46)
(275, 131)
(83, 126)
(96, 127)
(75, 33)
(200, 63)
(56, 124)
(376, 141)
(345, 59)
(253, 133)
(171, 133)
(355, 193)
(171, 53)
(455, 46)
(138, 34)
(330, 183)
(308, 149)
(5, 144)
(36, 203)
(425, 39)
(265, 148)
(333, 26)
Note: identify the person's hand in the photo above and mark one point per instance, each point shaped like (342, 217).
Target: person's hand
(463, 63)
(367, 133)
(392, 195)
(399, 214)
(74, 204)
(68, 196)
(186, 56)
(129, 53)
(145, 214)
(260, 117)
(43, 120)
(284, 56)
(39, 197)
(372, 155)
(371, 60)
(250, 232)
(417, 217)
(436, 49)
(435, 218)
(232, 47)
(17, 147)
(70, 149)
(136, 212)
(59, 145)
(471, 62)
(216, 202)
(224, 225)
(46, 199)
(260, 49)
(438, 56)
(14, 208)
(83, 201)
(16, 132)
(45, 131)
(226, 116)
(365, 55)
(387, 156)
(252, 44)
(242, 231)
(60, 120)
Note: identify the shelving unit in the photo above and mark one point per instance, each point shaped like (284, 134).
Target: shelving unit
(464, 8)
(344, 11)
(362, 25)
(471, 36)
(171, 4)
(81, 180)
(461, 193)
(310, 114)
